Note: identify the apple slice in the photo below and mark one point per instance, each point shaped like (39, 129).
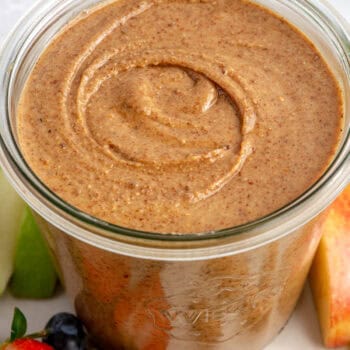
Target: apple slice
(330, 274)
(34, 273)
(11, 210)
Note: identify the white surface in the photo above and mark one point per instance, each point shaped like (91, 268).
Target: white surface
(302, 331)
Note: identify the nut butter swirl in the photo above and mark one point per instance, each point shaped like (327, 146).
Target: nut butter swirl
(163, 142)
(148, 113)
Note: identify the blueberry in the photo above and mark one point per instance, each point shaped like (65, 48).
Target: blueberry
(64, 331)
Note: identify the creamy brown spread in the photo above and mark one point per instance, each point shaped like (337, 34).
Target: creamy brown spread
(179, 115)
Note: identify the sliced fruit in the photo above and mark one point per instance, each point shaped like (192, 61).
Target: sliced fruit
(26, 344)
(34, 273)
(11, 210)
(330, 274)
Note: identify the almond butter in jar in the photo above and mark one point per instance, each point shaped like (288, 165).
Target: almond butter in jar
(169, 135)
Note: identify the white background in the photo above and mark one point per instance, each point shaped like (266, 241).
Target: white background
(301, 333)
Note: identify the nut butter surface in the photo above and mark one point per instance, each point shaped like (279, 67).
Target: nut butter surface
(179, 116)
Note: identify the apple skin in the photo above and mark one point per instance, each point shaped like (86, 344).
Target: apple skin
(330, 274)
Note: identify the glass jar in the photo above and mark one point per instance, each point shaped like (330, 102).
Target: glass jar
(135, 290)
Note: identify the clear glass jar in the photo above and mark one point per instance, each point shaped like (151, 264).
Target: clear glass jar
(135, 290)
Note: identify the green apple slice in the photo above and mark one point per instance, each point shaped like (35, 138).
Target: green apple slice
(34, 273)
(11, 210)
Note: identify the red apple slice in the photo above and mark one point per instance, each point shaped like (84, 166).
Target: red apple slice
(330, 274)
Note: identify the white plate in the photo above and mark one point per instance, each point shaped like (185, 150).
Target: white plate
(302, 331)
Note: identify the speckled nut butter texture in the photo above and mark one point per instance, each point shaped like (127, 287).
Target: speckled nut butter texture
(179, 116)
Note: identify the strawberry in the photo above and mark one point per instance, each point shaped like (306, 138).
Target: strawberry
(26, 344)
(63, 331)
(18, 340)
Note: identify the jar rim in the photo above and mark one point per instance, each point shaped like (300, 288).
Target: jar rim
(106, 235)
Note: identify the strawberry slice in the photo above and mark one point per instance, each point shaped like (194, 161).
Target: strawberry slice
(26, 344)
